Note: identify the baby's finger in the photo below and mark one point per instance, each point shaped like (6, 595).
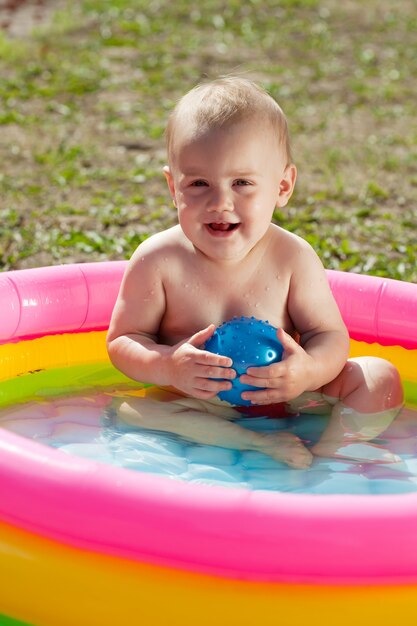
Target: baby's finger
(254, 382)
(203, 395)
(213, 360)
(265, 396)
(201, 336)
(275, 370)
(211, 371)
(288, 343)
(209, 384)
(259, 381)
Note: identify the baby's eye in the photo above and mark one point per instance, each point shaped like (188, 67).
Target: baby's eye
(241, 182)
(199, 183)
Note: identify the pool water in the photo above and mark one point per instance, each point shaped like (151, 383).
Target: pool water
(79, 425)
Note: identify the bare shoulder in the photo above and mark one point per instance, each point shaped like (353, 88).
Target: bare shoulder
(141, 302)
(154, 263)
(165, 243)
(292, 251)
(309, 293)
(159, 255)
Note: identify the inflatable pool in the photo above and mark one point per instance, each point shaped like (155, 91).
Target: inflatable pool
(86, 543)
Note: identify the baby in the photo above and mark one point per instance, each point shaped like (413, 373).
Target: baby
(229, 167)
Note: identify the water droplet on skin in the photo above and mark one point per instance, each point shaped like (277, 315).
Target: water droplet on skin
(267, 288)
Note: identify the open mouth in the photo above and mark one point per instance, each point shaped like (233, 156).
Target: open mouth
(222, 226)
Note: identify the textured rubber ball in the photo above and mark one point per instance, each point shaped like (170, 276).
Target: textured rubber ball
(249, 342)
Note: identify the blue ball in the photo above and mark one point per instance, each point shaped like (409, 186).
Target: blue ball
(249, 343)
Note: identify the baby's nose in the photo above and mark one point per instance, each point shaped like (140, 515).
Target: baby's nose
(221, 200)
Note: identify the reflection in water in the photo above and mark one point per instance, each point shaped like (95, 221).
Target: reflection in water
(82, 426)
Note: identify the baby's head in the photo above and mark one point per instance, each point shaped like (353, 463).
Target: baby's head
(222, 103)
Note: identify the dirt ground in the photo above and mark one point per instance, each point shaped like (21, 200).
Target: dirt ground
(19, 17)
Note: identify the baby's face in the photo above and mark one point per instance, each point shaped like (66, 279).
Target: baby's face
(225, 185)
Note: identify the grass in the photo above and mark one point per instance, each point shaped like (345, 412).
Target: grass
(84, 101)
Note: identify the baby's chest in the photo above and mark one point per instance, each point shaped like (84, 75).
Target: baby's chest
(193, 304)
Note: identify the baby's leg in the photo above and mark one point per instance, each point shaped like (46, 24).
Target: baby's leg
(366, 396)
(199, 422)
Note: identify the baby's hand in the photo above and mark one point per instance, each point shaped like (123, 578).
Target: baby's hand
(281, 381)
(193, 370)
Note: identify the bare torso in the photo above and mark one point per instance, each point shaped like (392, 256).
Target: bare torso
(199, 292)
(172, 294)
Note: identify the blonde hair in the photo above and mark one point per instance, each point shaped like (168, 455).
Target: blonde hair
(226, 101)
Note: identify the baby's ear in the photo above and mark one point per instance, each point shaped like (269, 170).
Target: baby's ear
(170, 181)
(286, 185)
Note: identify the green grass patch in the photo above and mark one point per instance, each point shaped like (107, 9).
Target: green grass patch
(84, 103)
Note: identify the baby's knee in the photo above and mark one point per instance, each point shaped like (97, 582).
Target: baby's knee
(382, 377)
(142, 411)
(368, 384)
(128, 412)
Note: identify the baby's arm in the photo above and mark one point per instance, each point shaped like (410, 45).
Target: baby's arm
(132, 337)
(324, 341)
